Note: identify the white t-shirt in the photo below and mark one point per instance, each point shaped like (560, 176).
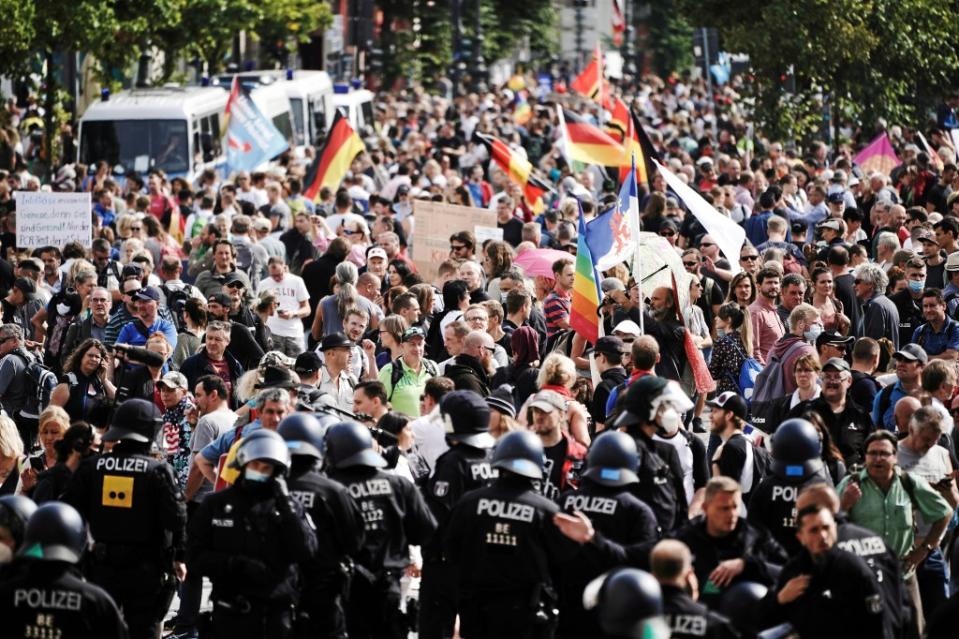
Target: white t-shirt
(290, 293)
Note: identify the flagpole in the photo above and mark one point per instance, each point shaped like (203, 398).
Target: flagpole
(639, 261)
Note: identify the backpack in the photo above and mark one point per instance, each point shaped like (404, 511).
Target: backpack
(769, 386)
(396, 373)
(885, 401)
(40, 384)
(561, 342)
(748, 373)
(175, 302)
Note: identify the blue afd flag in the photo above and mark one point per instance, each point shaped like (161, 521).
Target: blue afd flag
(612, 236)
(251, 139)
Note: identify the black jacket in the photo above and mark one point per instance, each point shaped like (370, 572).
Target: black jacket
(772, 506)
(196, 366)
(847, 429)
(610, 379)
(467, 374)
(689, 619)
(661, 481)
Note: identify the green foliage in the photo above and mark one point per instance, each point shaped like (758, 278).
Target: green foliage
(17, 33)
(670, 41)
(876, 58)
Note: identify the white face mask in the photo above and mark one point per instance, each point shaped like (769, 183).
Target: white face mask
(670, 420)
(63, 309)
(255, 476)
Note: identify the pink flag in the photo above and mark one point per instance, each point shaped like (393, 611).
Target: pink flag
(878, 156)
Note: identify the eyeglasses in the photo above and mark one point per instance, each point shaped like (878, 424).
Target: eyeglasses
(749, 258)
(879, 453)
(706, 244)
(667, 233)
(457, 247)
(477, 318)
(690, 264)
(98, 300)
(491, 349)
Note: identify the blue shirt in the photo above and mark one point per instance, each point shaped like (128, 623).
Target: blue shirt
(131, 335)
(888, 419)
(221, 445)
(756, 228)
(938, 343)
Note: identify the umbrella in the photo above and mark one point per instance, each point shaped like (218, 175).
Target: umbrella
(540, 261)
(655, 262)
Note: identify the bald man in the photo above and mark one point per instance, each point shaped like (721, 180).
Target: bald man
(474, 366)
(672, 565)
(905, 407)
(869, 546)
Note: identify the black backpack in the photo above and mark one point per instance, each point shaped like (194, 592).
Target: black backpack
(40, 384)
(396, 373)
(175, 302)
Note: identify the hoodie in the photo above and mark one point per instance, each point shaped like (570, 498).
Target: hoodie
(789, 365)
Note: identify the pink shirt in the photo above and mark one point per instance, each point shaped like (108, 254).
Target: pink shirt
(767, 327)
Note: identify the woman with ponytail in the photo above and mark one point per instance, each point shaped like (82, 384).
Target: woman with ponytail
(733, 345)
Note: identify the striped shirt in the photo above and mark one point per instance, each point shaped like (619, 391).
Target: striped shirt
(556, 309)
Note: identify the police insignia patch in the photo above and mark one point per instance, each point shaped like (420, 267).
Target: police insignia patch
(117, 491)
(874, 604)
(441, 488)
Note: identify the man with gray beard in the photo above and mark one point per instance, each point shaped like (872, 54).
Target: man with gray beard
(661, 322)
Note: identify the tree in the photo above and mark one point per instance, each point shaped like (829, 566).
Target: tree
(17, 34)
(873, 58)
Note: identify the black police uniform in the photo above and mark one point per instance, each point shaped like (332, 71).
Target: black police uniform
(761, 554)
(842, 599)
(395, 516)
(137, 519)
(50, 599)
(885, 566)
(661, 481)
(459, 470)
(689, 619)
(249, 539)
(501, 540)
(625, 529)
(773, 506)
(340, 533)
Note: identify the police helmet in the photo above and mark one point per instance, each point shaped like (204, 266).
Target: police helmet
(521, 453)
(466, 417)
(264, 445)
(15, 511)
(350, 444)
(797, 449)
(134, 420)
(55, 532)
(630, 603)
(303, 434)
(740, 604)
(636, 404)
(612, 460)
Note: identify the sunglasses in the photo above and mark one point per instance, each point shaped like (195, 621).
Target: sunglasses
(690, 264)
(668, 233)
(706, 244)
(457, 247)
(749, 258)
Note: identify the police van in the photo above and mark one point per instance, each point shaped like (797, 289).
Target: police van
(173, 129)
(310, 94)
(356, 105)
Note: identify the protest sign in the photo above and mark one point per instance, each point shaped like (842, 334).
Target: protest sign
(53, 219)
(435, 222)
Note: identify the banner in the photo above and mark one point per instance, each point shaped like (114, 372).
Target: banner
(53, 219)
(251, 138)
(435, 222)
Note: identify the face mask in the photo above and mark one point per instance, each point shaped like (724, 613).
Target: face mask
(502, 297)
(63, 309)
(721, 332)
(254, 475)
(916, 286)
(6, 554)
(814, 331)
(670, 420)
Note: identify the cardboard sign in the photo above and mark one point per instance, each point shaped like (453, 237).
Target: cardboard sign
(53, 219)
(435, 222)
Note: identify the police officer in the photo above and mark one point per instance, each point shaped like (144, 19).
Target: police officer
(742, 605)
(672, 566)
(137, 518)
(625, 527)
(630, 605)
(15, 511)
(339, 528)
(500, 540)
(44, 595)
(464, 467)
(796, 463)
(652, 405)
(249, 539)
(871, 548)
(394, 515)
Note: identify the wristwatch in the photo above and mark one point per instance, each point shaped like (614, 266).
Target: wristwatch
(929, 547)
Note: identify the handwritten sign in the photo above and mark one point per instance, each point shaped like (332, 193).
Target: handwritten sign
(53, 219)
(435, 222)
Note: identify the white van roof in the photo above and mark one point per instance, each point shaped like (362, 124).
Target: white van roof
(160, 103)
(304, 81)
(356, 96)
(271, 99)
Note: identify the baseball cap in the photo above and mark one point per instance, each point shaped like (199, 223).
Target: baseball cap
(220, 298)
(608, 344)
(611, 284)
(307, 362)
(131, 270)
(836, 364)
(912, 353)
(403, 189)
(376, 251)
(730, 401)
(413, 331)
(262, 224)
(838, 175)
(831, 224)
(952, 262)
(547, 400)
(173, 379)
(334, 340)
(925, 235)
(834, 339)
(853, 181)
(234, 281)
(836, 197)
(627, 326)
(149, 293)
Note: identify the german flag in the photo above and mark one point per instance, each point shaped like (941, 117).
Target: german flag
(588, 144)
(589, 83)
(638, 143)
(618, 124)
(516, 167)
(333, 159)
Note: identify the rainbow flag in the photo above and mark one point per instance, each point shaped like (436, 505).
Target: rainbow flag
(522, 112)
(583, 314)
(878, 156)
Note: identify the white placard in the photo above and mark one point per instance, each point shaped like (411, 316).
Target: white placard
(484, 233)
(53, 219)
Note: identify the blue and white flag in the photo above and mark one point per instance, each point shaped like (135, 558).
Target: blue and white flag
(612, 236)
(251, 139)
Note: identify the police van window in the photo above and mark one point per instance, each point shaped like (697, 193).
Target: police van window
(319, 119)
(283, 124)
(121, 142)
(299, 122)
(366, 108)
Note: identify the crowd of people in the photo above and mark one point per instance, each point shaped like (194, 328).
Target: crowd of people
(236, 383)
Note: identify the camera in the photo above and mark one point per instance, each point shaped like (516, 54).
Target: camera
(139, 355)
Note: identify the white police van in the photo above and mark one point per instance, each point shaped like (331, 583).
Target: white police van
(356, 105)
(174, 129)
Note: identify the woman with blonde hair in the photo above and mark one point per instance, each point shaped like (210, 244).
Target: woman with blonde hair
(53, 423)
(11, 452)
(558, 374)
(391, 339)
